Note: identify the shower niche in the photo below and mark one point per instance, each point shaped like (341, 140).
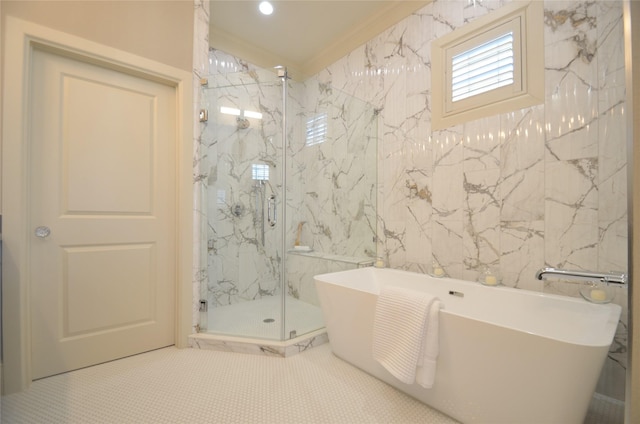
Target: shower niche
(290, 193)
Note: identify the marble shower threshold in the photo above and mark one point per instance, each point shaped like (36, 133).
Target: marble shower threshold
(286, 348)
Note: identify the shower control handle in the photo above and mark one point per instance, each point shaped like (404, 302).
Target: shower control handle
(271, 210)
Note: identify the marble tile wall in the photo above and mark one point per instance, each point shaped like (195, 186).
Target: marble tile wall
(542, 186)
(302, 267)
(331, 185)
(545, 185)
(244, 253)
(333, 179)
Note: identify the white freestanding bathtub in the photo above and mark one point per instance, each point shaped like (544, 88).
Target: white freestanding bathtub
(505, 355)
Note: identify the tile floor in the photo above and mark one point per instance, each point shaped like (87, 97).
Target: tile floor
(194, 386)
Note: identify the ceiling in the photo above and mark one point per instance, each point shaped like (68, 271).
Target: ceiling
(304, 35)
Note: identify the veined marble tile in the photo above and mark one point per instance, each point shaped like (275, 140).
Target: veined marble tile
(448, 193)
(201, 37)
(419, 216)
(394, 181)
(227, 70)
(571, 79)
(258, 347)
(447, 16)
(577, 195)
(447, 146)
(302, 267)
(481, 144)
(612, 158)
(417, 38)
(476, 8)
(419, 168)
(447, 246)
(418, 114)
(420, 268)
(393, 239)
(339, 175)
(571, 216)
(612, 245)
(393, 46)
(565, 19)
(448, 190)
(574, 247)
(418, 244)
(610, 44)
(522, 165)
(571, 106)
(481, 237)
(395, 110)
(522, 253)
(360, 76)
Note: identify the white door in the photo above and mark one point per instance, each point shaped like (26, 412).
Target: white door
(102, 213)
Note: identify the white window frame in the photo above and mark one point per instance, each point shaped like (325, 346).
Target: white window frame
(525, 20)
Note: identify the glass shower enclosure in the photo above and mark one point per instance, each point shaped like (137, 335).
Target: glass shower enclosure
(269, 226)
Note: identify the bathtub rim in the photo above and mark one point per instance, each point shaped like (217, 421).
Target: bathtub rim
(613, 316)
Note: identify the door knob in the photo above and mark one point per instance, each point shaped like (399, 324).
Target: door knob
(42, 232)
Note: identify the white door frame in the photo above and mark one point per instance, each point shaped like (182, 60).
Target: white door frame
(21, 38)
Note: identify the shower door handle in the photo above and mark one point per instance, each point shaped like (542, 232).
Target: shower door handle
(271, 210)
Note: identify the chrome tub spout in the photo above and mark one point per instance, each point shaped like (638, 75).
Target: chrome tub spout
(604, 277)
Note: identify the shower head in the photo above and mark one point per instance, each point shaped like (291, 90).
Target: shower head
(243, 123)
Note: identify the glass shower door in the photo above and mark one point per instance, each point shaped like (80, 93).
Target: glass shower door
(243, 139)
(262, 256)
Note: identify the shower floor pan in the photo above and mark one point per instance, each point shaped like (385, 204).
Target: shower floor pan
(254, 327)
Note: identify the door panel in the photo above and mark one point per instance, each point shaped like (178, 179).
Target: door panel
(94, 146)
(97, 296)
(102, 176)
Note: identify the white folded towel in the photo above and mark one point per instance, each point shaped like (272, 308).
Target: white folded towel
(405, 334)
(426, 371)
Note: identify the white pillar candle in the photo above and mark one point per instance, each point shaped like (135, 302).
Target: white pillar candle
(490, 280)
(599, 295)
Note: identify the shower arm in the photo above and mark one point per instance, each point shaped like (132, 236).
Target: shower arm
(604, 277)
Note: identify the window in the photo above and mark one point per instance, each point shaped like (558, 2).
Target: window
(483, 68)
(260, 172)
(316, 129)
(492, 65)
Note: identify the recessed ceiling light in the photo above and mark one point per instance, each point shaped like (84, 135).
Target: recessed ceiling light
(266, 8)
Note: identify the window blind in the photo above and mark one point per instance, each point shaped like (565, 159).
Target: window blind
(260, 171)
(316, 129)
(483, 68)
